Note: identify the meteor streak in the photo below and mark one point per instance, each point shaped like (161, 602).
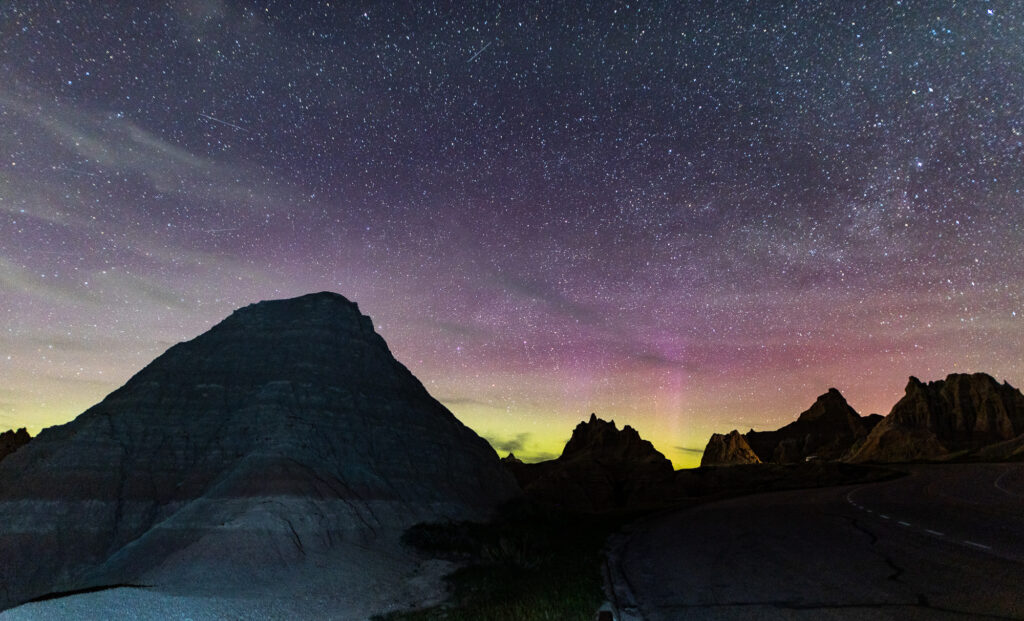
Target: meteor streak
(216, 120)
(479, 52)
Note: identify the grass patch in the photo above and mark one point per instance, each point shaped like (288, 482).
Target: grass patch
(529, 564)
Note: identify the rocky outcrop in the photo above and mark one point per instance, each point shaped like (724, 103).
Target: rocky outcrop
(601, 468)
(728, 450)
(825, 431)
(287, 437)
(601, 441)
(962, 414)
(12, 440)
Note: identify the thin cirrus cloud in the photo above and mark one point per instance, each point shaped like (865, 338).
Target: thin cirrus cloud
(520, 444)
(689, 450)
(104, 165)
(101, 144)
(510, 444)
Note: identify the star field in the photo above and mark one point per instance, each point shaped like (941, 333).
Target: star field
(689, 217)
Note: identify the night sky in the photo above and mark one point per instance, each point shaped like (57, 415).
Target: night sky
(689, 217)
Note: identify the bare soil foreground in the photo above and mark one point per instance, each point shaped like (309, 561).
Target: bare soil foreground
(372, 582)
(945, 542)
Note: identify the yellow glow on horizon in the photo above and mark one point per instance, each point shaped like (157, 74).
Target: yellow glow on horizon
(39, 412)
(543, 435)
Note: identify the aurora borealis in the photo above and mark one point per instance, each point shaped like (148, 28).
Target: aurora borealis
(688, 217)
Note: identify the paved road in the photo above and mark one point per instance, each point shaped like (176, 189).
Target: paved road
(946, 542)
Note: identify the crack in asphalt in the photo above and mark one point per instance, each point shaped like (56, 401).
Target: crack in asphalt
(922, 599)
(897, 571)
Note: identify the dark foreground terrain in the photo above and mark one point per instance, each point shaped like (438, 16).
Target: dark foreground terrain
(945, 542)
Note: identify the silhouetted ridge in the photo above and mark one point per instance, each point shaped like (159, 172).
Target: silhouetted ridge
(829, 406)
(599, 439)
(825, 431)
(600, 468)
(315, 338)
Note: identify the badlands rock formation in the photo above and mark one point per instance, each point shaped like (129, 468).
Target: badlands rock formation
(728, 450)
(283, 450)
(826, 431)
(960, 415)
(601, 468)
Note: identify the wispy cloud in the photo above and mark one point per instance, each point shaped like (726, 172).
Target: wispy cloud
(520, 444)
(458, 329)
(539, 290)
(536, 456)
(110, 144)
(15, 278)
(106, 283)
(689, 449)
(509, 444)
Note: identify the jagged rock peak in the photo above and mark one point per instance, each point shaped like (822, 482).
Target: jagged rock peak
(980, 379)
(830, 404)
(963, 412)
(600, 468)
(727, 450)
(825, 431)
(600, 438)
(595, 433)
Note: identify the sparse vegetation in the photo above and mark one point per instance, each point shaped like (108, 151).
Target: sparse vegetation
(536, 563)
(527, 565)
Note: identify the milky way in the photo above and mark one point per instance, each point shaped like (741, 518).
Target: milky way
(689, 217)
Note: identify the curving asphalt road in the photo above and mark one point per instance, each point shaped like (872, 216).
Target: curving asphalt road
(945, 542)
